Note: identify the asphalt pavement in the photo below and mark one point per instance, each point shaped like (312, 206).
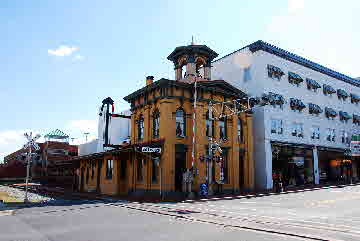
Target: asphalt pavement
(328, 214)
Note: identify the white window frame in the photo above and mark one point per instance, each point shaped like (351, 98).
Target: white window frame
(279, 126)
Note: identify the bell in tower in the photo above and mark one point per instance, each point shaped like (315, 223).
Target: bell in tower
(195, 58)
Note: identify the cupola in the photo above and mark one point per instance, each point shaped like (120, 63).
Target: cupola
(194, 58)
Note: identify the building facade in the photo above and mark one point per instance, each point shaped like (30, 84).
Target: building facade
(160, 157)
(312, 115)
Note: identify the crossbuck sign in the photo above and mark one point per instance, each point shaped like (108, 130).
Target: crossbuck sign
(31, 141)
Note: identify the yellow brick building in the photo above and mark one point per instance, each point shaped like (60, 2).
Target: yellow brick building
(162, 142)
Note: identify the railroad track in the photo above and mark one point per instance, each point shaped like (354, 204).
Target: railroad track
(318, 231)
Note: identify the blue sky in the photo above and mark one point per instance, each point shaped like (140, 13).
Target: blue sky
(59, 59)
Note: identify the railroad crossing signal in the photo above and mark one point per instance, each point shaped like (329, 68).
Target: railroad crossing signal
(31, 141)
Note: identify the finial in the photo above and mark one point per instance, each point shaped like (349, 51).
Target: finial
(192, 39)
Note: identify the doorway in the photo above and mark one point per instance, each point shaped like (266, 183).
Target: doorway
(180, 167)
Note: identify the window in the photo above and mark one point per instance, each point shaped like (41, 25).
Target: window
(276, 127)
(225, 165)
(156, 124)
(330, 134)
(297, 130)
(344, 137)
(240, 130)
(155, 171)
(141, 128)
(93, 165)
(123, 164)
(315, 132)
(180, 123)
(210, 123)
(87, 175)
(222, 128)
(139, 171)
(109, 169)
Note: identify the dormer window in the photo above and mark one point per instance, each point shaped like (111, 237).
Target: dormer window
(330, 113)
(312, 85)
(344, 116)
(356, 119)
(328, 90)
(342, 94)
(274, 72)
(314, 109)
(296, 104)
(354, 98)
(295, 79)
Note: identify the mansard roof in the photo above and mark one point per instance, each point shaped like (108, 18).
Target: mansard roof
(272, 49)
(215, 86)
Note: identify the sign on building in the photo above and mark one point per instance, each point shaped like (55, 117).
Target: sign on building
(355, 145)
(150, 149)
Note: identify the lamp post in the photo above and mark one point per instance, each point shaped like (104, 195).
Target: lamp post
(30, 144)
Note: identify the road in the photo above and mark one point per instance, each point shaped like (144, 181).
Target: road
(329, 214)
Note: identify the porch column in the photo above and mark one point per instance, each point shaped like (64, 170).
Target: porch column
(316, 165)
(268, 164)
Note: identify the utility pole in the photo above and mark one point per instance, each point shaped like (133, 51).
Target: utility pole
(86, 135)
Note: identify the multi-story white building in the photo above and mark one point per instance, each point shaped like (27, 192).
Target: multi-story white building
(302, 141)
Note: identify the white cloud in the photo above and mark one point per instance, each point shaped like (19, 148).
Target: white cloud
(12, 140)
(63, 50)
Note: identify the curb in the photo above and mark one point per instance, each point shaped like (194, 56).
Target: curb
(267, 194)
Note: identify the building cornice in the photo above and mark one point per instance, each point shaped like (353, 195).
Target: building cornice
(272, 49)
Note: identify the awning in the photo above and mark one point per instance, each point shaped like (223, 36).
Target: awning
(314, 109)
(295, 78)
(344, 115)
(328, 89)
(296, 104)
(275, 99)
(329, 112)
(342, 93)
(312, 84)
(274, 71)
(354, 98)
(356, 119)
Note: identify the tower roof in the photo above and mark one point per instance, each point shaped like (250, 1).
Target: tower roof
(56, 134)
(192, 49)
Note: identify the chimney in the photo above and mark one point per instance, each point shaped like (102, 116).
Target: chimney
(149, 80)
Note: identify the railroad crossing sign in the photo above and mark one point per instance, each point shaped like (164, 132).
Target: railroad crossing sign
(30, 144)
(31, 141)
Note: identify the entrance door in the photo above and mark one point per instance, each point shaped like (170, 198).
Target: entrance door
(241, 170)
(180, 166)
(82, 180)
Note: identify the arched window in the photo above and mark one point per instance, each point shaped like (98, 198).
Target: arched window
(180, 123)
(210, 126)
(156, 124)
(222, 128)
(141, 127)
(240, 130)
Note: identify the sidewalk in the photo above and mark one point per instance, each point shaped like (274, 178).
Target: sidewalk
(244, 195)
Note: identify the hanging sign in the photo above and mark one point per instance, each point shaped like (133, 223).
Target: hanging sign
(151, 149)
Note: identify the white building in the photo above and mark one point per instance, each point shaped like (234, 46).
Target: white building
(290, 139)
(113, 130)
